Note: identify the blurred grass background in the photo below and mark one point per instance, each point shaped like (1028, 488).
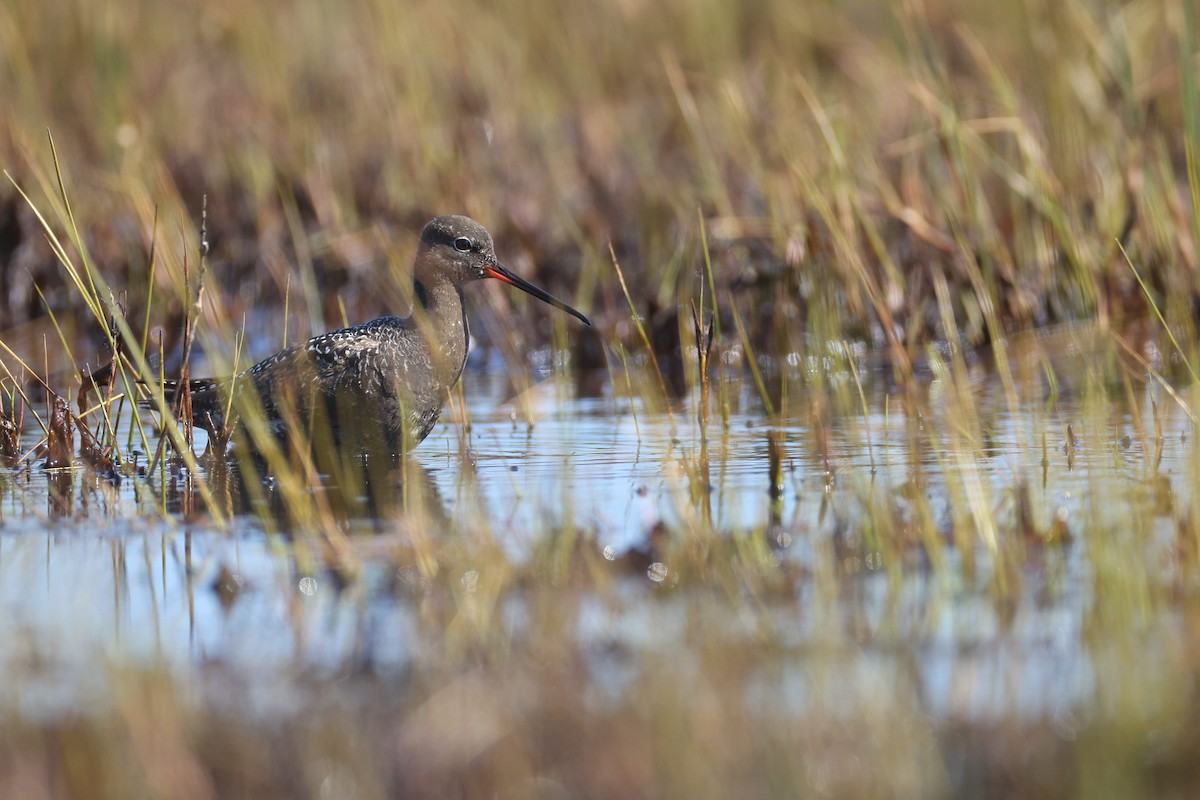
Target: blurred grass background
(845, 157)
(896, 174)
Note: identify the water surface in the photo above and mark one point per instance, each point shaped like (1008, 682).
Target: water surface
(853, 601)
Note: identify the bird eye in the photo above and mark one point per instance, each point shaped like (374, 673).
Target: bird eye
(462, 244)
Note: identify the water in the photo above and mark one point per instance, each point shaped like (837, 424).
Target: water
(109, 583)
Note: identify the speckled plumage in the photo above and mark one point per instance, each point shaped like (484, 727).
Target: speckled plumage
(381, 384)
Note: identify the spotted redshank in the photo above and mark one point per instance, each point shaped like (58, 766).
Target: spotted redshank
(382, 383)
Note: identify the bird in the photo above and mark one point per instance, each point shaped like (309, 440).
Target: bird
(378, 385)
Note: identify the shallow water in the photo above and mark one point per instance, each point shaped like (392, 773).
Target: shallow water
(107, 582)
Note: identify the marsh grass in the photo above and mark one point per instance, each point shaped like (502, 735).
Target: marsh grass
(714, 700)
(846, 197)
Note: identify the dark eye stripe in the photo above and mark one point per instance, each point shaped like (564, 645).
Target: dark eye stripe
(433, 235)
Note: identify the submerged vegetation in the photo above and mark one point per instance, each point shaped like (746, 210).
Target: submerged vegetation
(915, 284)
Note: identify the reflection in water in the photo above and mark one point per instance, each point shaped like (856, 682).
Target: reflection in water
(361, 492)
(60, 492)
(826, 518)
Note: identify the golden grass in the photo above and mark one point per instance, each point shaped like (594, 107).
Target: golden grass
(845, 158)
(922, 179)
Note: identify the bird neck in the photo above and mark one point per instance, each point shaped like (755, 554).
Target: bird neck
(440, 313)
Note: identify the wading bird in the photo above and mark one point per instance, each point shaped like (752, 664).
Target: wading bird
(381, 384)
